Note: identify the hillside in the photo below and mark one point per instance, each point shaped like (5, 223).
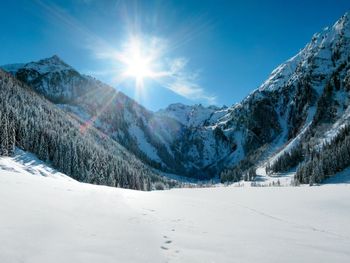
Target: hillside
(32, 123)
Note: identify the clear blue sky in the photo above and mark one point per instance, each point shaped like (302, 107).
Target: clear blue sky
(221, 50)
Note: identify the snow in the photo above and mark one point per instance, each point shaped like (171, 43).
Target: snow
(53, 219)
(277, 149)
(320, 49)
(193, 116)
(296, 140)
(342, 121)
(281, 74)
(48, 65)
(238, 154)
(143, 144)
(282, 179)
(78, 111)
(28, 164)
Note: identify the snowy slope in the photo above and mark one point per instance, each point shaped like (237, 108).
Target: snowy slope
(25, 163)
(46, 220)
(193, 116)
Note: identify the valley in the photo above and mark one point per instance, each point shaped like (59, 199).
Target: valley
(89, 174)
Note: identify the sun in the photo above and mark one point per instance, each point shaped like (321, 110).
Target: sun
(138, 62)
(141, 58)
(138, 66)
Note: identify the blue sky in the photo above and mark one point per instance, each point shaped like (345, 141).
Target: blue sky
(212, 52)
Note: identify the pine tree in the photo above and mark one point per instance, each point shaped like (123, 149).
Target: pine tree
(4, 136)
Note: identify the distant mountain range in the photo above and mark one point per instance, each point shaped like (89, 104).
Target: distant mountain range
(300, 114)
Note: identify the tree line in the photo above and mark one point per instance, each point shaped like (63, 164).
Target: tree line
(332, 157)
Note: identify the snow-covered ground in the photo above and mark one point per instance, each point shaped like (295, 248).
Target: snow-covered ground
(52, 218)
(282, 179)
(26, 163)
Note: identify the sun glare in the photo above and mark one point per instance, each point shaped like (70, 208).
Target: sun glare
(137, 62)
(138, 67)
(141, 58)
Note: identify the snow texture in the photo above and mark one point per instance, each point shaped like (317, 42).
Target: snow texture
(143, 144)
(54, 219)
(193, 116)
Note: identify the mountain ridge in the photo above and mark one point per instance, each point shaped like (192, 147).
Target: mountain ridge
(204, 141)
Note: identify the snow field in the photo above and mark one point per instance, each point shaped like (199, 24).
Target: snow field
(56, 219)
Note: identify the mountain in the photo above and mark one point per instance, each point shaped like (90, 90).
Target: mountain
(54, 79)
(291, 118)
(193, 116)
(32, 123)
(304, 103)
(153, 137)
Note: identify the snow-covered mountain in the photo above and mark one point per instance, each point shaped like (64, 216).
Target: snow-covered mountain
(35, 125)
(55, 79)
(193, 116)
(303, 103)
(153, 137)
(90, 100)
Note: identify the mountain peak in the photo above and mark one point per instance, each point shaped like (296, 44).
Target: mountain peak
(54, 61)
(49, 65)
(318, 55)
(346, 16)
(343, 24)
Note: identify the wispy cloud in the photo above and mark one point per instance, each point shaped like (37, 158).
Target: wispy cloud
(184, 82)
